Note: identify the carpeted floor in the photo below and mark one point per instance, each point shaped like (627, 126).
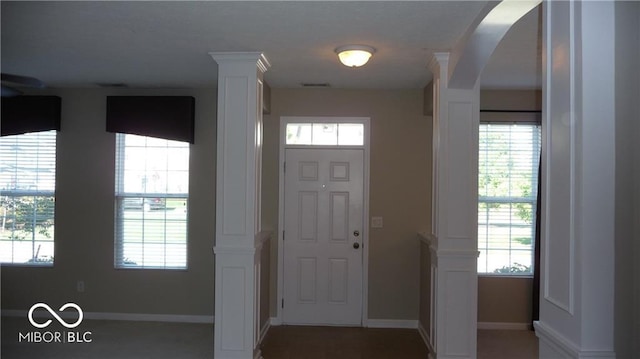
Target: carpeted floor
(112, 340)
(291, 342)
(141, 340)
(507, 344)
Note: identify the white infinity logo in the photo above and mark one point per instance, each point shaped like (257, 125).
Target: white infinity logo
(48, 308)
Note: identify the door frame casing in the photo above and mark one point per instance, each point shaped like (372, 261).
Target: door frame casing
(284, 120)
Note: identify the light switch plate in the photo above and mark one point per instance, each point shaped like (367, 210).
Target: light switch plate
(376, 222)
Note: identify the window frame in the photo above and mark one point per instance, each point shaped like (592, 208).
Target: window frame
(313, 122)
(120, 195)
(531, 118)
(14, 193)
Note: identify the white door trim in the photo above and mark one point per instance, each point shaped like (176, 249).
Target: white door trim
(284, 120)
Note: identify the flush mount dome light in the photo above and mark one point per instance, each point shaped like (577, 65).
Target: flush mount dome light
(354, 55)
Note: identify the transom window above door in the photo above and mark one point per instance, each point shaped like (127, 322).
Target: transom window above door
(325, 134)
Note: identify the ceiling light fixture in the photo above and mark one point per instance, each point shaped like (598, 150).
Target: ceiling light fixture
(354, 55)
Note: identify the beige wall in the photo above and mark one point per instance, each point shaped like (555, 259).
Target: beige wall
(511, 100)
(399, 184)
(84, 222)
(504, 299)
(399, 192)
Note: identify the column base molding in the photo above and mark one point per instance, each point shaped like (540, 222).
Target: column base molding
(427, 340)
(555, 345)
(454, 294)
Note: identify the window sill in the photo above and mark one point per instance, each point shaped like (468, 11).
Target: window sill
(27, 265)
(502, 275)
(172, 269)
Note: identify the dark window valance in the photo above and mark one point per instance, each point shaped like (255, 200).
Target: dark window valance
(24, 114)
(168, 117)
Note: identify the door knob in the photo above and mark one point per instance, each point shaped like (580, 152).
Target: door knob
(356, 245)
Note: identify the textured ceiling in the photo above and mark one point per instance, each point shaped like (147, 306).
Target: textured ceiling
(166, 44)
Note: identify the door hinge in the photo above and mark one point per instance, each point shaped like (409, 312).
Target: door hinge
(285, 167)
(282, 303)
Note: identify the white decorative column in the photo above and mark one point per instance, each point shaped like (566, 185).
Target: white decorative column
(453, 244)
(578, 181)
(238, 169)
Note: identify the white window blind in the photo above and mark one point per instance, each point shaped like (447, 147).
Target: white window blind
(27, 198)
(508, 184)
(152, 189)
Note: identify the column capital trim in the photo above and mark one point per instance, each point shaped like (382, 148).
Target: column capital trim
(430, 239)
(261, 238)
(438, 59)
(258, 57)
(457, 253)
(241, 250)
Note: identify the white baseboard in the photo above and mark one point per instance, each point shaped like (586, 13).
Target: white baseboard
(504, 326)
(555, 345)
(264, 329)
(392, 323)
(372, 323)
(426, 339)
(134, 317)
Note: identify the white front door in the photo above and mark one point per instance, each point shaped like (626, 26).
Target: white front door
(323, 236)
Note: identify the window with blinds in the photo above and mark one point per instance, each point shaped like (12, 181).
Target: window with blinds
(508, 183)
(27, 198)
(151, 195)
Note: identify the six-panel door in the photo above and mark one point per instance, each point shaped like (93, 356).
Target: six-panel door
(323, 236)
